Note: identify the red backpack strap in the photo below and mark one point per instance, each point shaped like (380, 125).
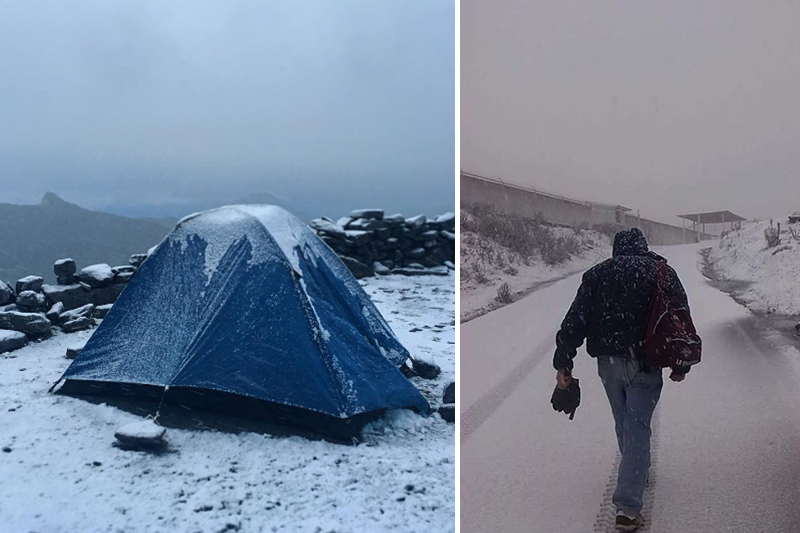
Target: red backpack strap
(662, 275)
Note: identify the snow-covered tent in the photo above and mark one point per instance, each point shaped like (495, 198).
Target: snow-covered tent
(244, 309)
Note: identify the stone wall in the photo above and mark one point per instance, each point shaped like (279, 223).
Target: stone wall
(31, 309)
(370, 243)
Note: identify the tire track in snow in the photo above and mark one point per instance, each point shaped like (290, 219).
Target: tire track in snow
(604, 522)
(485, 406)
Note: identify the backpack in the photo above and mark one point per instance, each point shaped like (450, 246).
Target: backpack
(671, 339)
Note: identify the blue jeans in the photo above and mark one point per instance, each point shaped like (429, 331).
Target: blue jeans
(633, 394)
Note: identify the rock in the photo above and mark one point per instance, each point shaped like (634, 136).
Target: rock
(450, 265)
(142, 435)
(65, 268)
(327, 227)
(425, 369)
(449, 393)
(9, 307)
(447, 221)
(31, 302)
(77, 325)
(416, 222)
(448, 237)
(344, 221)
(123, 277)
(72, 296)
(380, 269)
(376, 214)
(411, 271)
(7, 294)
(448, 413)
(66, 280)
(106, 295)
(11, 340)
(85, 311)
(358, 269)
(101, 311)
(54, 312)
(123, 268)
(96, 276)
(415, 253)
(394, 220)
(72, 353)
(358, 238)
(30, 283)
(366, 224)
(33, 324)
(137, 259)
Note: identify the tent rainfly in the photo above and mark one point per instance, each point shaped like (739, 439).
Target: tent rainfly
(244, 310)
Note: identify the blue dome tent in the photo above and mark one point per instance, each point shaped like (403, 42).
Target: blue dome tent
(243, 309)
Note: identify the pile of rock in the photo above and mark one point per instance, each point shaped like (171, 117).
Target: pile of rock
(370, 243)
(32, 308)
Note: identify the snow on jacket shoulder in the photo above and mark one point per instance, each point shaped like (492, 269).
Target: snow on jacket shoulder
(613, 302)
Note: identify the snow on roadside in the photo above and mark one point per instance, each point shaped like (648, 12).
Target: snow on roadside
(772, 273)
(61, 472)
(500, 265)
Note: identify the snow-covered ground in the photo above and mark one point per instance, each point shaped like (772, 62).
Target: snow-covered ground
(500, 265)
(725, 446)
(772, 273)
(60, 473)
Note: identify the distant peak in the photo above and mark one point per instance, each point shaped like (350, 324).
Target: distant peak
(51, 199)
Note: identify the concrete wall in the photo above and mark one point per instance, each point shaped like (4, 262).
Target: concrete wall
(524, 201)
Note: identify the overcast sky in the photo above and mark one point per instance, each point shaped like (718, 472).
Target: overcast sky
(150, 106)
(665, 106)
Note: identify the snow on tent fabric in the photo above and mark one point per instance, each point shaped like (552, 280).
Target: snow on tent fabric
(246, 303)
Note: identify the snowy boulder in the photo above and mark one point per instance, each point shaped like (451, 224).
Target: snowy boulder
(433, 271)
(123, 268)
(31, 302)
(380, 269)
(448, 237)
(123, 277)
(447, 221)
(394, 220)
(33, 324)
(30, 283)
(376, 214)
(106, 295)
(7, 294)
(358, 238)
(65, 268)
(54, 312)
(415, 253)
(416, 222)
(101, 311)
(425, 369)
(356, 267)
(71, 296)
(449, 393)
(137, 259)
(366, 224)
(11, 340)
(327, 227)
(84, 311)
(143, 435)
(96, 276)
(72, 353)
(78, 324)
(448, 413)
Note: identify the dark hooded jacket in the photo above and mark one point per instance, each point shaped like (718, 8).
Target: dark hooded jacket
(613, 302)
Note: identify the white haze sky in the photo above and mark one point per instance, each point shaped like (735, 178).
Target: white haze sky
(153, 107)
(664, 106)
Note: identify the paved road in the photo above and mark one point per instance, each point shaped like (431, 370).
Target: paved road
(727, 443)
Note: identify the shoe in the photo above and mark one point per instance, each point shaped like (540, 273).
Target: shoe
(626, 523)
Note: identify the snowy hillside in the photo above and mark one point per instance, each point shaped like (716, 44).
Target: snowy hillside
(770, 274)
(522, 257)
(68, 476)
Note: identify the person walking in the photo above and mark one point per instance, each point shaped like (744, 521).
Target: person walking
(610, 311)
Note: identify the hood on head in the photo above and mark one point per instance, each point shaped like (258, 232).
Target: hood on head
(630, 242)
